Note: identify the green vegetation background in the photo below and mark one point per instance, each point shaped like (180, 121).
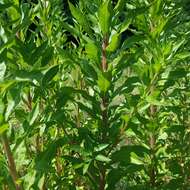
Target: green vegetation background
(94, 95)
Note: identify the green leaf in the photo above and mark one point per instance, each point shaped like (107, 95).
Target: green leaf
(38, 53)
(34, 114)
(182, 55)
(88, 70)
(119, 6)
(3, 128)
(5, 6)
(101, 147)
(80, 17)
(43, 159)
(88, 110)
(156, 8)
(2, 70)
(131, 41)
(126, 117)
(2, 106)
(178, 73)
(103, 83)
(127, 87)
(13, 99)
(70, 29)
(73, 160)
(23, 75)
(153, 101)
(13, 11)
(115, 42)
(92, 51)
(47, 56)
(113, 177)
(49, 75)
(1, 118)
(85, 168)
(135, 159)
(76, 13)
(10, 106)
(104, 15)
(125, 25)
(124, 154)
(102, 158)
(178, 44)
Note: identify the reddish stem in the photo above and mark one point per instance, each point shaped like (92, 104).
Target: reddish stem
(11, 161)
(104, 61)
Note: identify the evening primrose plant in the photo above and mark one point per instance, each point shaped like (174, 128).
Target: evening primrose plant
(94, 95)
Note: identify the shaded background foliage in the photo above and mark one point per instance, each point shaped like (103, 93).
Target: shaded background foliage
(94, 94)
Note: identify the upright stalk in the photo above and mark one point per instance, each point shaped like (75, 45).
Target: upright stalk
(104, 66)
(152, 142)
(11, 161)
(102, 179)
(58, 156)
(104, 97)
(104, 60)
(152, 171)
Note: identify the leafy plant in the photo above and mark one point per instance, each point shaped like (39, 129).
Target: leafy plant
(94, 95)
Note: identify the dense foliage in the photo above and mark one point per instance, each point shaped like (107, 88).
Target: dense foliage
(94, 95)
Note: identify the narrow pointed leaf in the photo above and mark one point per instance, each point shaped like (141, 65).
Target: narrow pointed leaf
(104, 15)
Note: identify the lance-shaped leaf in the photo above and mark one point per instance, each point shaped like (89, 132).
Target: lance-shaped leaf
(104, 15)
(119, 6)
(43, 159)
(50, 74)
(34, 114)
(114, 44)
(113, 177)
(13, 99)
(102, 158)
(100, 147)
(125, 25)
(10, 106)
(85, 167)
(178, 73)
(103, 83)
(80, 18)
(92, 51)
(124, 154)
(3, 128)
(2, 70)
(182, 55)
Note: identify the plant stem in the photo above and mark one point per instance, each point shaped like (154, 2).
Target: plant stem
(102, 181)
(11, 161)
(104, 97)
(58, 156)
(104, 61)
(104, 117)
(152, 142)
(152, 156)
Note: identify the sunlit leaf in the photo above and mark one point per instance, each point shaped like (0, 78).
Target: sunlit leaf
(102, 158)
(3, 128)
(104, 15)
